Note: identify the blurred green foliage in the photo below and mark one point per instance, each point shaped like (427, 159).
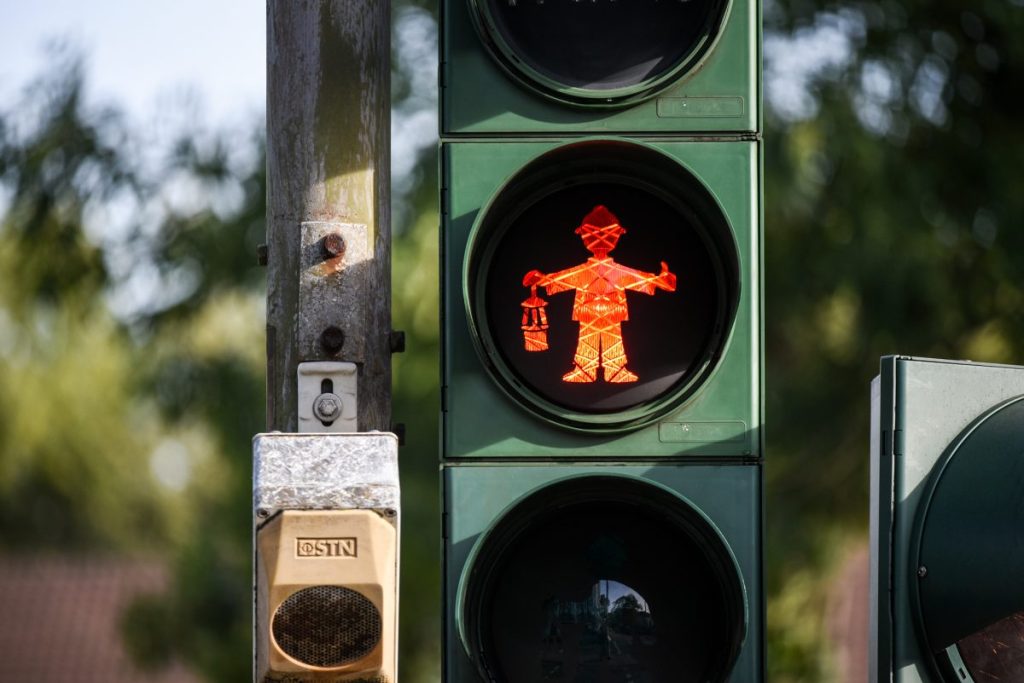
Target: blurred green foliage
(129, 433)
(892, 226)
(892, 203)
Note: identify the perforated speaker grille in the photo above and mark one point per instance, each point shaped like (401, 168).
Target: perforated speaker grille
(326, 626)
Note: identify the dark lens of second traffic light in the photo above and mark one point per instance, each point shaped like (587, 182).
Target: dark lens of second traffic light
(971, 546)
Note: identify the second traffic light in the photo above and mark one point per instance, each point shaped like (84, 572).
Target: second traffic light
(947, 522)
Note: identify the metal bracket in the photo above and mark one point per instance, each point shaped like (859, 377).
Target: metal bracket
(327, 397)
(334, 288)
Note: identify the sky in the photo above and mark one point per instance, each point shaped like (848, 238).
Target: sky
(144, 55)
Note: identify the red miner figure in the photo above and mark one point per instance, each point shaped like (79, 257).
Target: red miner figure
(600, 305)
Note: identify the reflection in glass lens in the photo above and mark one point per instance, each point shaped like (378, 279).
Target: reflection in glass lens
(996, 653)
(612, 631)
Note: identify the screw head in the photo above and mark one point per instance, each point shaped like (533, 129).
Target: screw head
(332, 339)
(334, 244)
(327, 407)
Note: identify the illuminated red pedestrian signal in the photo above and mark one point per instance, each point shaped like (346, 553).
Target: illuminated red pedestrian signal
(600, 305)
(602, 282)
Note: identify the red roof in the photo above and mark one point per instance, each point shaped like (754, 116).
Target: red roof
(847, 617)
(61, 619)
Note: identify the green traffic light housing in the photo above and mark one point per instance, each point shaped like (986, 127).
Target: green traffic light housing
(611, 66)
(598, 54)
(561, 572)
(948, 522)
(671, 344)
(601, 340)
(687, 351)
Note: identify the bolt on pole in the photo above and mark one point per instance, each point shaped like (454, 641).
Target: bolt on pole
(325, 477)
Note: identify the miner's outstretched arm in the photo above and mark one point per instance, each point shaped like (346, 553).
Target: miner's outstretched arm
(644, 282)
(561, 281)
(665, 279)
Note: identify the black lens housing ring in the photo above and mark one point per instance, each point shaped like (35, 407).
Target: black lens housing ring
(633, 165)
(504, 52)
(476, 589)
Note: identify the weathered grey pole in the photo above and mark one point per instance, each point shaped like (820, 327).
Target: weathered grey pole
(328, 155)
(326, 502)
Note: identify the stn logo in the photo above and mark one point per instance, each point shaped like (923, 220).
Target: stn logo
(325, 547)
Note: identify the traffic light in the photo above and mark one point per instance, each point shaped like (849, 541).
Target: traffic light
(602, 345)
(947, 522)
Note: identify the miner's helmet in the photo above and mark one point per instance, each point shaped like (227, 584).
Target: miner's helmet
(600, 219)
(600, 230)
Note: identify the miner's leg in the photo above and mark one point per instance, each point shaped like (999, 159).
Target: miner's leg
(613, 356)
(587, 356)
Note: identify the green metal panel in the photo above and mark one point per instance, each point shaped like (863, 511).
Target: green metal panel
(923, 411)
(476, 495)
(721, 94)
(723, 418)
(880, 521)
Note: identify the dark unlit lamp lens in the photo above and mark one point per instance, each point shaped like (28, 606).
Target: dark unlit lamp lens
(606, 590)
(971, 599)
(602, 44)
